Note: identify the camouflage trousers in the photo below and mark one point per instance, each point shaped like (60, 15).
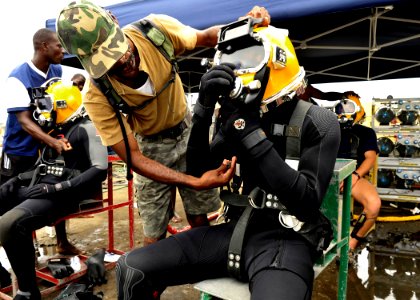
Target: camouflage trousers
(154, 199)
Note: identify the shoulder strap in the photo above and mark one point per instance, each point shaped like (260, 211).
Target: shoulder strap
(158, 38)
(116, 101)
(294, 129)
(163, 44)
(119, 106)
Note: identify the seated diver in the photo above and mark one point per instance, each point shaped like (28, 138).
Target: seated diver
(54, 188)
(285, 230)
(360, 143)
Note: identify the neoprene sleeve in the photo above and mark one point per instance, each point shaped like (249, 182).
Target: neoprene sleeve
(301, 191)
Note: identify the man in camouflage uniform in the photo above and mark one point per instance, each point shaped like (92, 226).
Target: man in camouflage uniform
(159, 127)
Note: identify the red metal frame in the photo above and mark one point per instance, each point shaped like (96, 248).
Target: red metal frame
(58, 284)
(109, 206)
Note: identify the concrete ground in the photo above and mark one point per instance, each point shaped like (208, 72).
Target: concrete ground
(91, 232)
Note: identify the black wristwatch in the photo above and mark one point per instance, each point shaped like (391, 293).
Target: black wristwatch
(357, 174)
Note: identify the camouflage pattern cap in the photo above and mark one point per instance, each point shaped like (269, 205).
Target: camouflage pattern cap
(88, 31)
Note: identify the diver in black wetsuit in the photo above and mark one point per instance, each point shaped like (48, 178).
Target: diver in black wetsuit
(286, 232)
(32, 206)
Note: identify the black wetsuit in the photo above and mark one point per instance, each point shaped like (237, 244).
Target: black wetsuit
(89, 157)
(278, 263)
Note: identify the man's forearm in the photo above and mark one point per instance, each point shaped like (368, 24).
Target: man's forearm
(149, 168)
(156, 171)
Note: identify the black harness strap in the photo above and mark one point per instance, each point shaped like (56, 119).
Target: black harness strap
(294, 129)
(119, 106)
(42, 169)
(235, 264)
(257, 198)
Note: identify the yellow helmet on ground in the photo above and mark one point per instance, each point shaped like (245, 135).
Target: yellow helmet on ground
(67, 102)
(267, 67)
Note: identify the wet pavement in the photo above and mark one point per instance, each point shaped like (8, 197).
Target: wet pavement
(382, 272)
(388, 268)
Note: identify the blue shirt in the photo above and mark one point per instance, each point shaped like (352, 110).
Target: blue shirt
(17, 141)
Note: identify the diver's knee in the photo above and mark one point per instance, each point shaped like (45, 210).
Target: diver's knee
(372, 209)
(8, 224)
(131, 281)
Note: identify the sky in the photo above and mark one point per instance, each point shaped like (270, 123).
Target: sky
(22, 18)
(19, 21)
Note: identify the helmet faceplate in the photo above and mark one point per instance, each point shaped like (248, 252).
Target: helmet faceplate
(270, 49)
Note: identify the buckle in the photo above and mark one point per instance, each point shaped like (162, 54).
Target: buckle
(290, 221)
(257, 198)
(56, 170)
(42, 168)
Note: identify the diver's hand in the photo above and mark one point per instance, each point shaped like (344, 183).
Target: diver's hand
(217, 177)
(218, 82)
(41, 190)
(10, 187)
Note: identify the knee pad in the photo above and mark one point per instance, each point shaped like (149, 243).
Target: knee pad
(359, 223)
(8, 224)
(131, 283)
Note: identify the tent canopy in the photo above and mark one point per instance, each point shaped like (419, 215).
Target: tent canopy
(335, 40)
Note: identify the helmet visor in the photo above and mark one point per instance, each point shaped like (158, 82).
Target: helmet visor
(44, 104)
(246, 58)
(347, 107)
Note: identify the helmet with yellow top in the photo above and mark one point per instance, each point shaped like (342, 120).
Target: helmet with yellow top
(67, 102)
(265, 62)
(57, 104)
(349, 111)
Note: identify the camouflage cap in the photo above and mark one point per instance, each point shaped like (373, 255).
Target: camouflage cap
(88, 31)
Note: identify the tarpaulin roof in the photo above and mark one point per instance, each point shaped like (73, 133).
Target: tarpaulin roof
(335, 40)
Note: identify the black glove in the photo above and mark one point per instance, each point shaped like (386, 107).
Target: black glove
(60, 267)
(96, 268)
(239, 121)
(42, 190)
(9, 187)
(218, 82)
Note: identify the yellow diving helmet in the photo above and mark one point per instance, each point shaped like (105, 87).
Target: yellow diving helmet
(67, 102)
(267, 67)
(349, 111)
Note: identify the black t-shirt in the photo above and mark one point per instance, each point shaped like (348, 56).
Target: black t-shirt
(357, 140)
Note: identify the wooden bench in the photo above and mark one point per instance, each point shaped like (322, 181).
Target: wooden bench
(337, 208)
